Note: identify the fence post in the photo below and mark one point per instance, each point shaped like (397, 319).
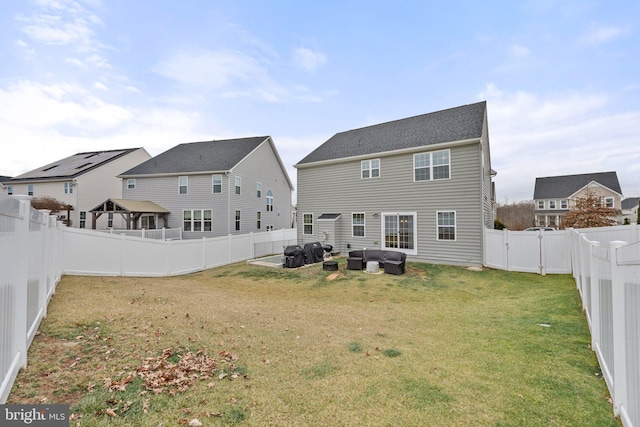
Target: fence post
(594, 310)
(505, 252)
(619, 330)
(20, 339)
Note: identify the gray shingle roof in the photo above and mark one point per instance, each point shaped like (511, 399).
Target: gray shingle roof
(72, 166)
(455, 124)
(630, 202)
(564, 186)
(205, 156)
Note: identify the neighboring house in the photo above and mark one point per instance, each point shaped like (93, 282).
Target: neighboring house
(215, 188)
(630, 209)
(420, 185)
(82, 181)
(555, 195)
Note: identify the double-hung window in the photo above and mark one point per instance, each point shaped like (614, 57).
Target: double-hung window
(552, 204)
(30, 190)
(83, 219)
(68, 187)
(307, 223)
(197, 220)
(259, 189)
(446, 225)
(357, 224)
(432, 166)
(400, 231)
(237, 220)
(131, 184)
(183, 184)
(540, 204)
(370, 168)
(564, 204)
(258, 220)
(217, 183)
(608, 202)
(238, 184)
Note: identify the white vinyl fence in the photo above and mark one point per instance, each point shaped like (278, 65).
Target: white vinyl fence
(607, 275)
(539, 252)
(87, 252)
(30, 268)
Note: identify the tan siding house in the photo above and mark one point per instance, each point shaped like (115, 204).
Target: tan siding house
(555, 195)
(82, 181)
(421, 185)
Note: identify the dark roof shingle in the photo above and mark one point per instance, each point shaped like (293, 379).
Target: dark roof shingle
(205, 156)
(454, 124)
(564, 186)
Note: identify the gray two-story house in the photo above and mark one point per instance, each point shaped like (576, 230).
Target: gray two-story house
(420, 185)
(214, 188)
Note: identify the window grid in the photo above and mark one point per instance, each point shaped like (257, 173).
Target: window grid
(432, 166)
(307, 221)
(446, 225)
(217, 183)
(183, 185)
(357, 221)
(370, 168)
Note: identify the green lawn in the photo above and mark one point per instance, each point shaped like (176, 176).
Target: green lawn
(440, 345)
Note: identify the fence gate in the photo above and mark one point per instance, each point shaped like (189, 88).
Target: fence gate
(539, 252)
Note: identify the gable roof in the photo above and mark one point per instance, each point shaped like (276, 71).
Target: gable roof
(454, 124)
(127, 205)
(630, 202)
(72, 166)
(205, 156)
(564, 186)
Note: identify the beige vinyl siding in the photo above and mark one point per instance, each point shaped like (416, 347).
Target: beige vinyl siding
(338, 188)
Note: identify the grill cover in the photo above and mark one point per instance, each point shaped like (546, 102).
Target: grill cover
(294, 256)
(313, 252)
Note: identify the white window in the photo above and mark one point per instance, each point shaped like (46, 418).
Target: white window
(131, 183)
(433, 165)
(357, 224)
(400, 231)
(258, 220)
(446, 225)
(68, 187)
(9, 189)
(238, 184)
(370, 168)
(30, 189)
(269, 200)
(183, 185)
(608, 202)
(259, 189)
(110, 220)
(197, 220)
(217, 183)
(552, 204)
(307, 223)
(83, 219)
(564, 204)
(540, 204)
(237, 220)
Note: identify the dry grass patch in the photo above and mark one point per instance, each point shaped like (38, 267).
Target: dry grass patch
(439, 345)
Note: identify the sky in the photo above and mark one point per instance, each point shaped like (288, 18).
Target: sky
(561, 78)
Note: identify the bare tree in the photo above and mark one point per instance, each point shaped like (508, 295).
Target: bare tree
(517, 215)
(52, 204)
(589, 211)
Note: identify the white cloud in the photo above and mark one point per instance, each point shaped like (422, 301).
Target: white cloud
(42, 123)
(101, 86)
(229, 74)
(560, 134)
(602, 34)
(308, 60)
